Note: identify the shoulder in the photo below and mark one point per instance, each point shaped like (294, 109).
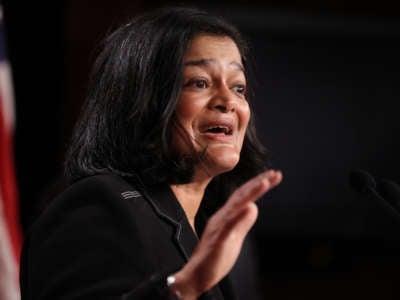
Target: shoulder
(96, 197)
(99, 189)
(98, 185)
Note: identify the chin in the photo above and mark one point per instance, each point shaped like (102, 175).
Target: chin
(222, 164)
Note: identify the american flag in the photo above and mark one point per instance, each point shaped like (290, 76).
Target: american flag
(10, 229)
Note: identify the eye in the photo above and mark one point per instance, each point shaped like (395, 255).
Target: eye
(240, 89)
(197, 83)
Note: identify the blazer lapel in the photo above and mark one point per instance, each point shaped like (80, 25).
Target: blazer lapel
(168, 208)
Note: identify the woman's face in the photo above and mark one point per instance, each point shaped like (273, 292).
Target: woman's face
(212, 107)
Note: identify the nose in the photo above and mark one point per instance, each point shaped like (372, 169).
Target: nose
(223, 100)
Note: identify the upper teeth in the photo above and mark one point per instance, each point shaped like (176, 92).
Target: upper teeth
(224, 128)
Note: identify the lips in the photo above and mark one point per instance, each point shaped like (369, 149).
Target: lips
(219, 130)
(217, 127)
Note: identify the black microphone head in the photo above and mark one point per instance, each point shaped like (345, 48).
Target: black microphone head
(390, 190)
(361, 180)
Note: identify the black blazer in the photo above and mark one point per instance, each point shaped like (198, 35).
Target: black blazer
(106, 237)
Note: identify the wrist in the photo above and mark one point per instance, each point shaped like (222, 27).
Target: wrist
(182, 286)
(172, 287)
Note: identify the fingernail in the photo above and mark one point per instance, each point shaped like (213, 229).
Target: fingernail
(271, 173)
(265, 178)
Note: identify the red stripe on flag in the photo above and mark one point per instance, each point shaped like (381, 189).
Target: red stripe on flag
(8, 187)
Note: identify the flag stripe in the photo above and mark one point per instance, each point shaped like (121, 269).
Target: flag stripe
(10, 227)
(8, 187)
(6, 94)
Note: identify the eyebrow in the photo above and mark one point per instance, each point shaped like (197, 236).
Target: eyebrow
(209, 61)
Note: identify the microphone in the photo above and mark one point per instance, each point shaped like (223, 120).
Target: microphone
(365, 184)
(390, 191)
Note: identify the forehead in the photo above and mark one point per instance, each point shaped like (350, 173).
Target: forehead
(212, 46)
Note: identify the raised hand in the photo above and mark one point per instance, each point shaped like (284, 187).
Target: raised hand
(222, 239)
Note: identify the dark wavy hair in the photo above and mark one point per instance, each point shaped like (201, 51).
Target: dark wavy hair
(127, 118)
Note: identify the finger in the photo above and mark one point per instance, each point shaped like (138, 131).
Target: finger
(276, 178)
(238, 225)
(254, 189)
(249, 192)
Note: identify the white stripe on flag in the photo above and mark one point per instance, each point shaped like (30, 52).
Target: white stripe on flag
(9, 289)
(7, 96)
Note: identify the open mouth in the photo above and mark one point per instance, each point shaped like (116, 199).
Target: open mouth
(219, 129)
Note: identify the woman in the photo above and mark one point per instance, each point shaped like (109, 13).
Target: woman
(165, 138)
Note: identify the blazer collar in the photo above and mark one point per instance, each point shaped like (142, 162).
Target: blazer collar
(167, 207)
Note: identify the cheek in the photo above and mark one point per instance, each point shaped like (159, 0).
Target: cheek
(244, 119)
(186, 112)
(244, 115)
(189, 104)
(187, 109)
